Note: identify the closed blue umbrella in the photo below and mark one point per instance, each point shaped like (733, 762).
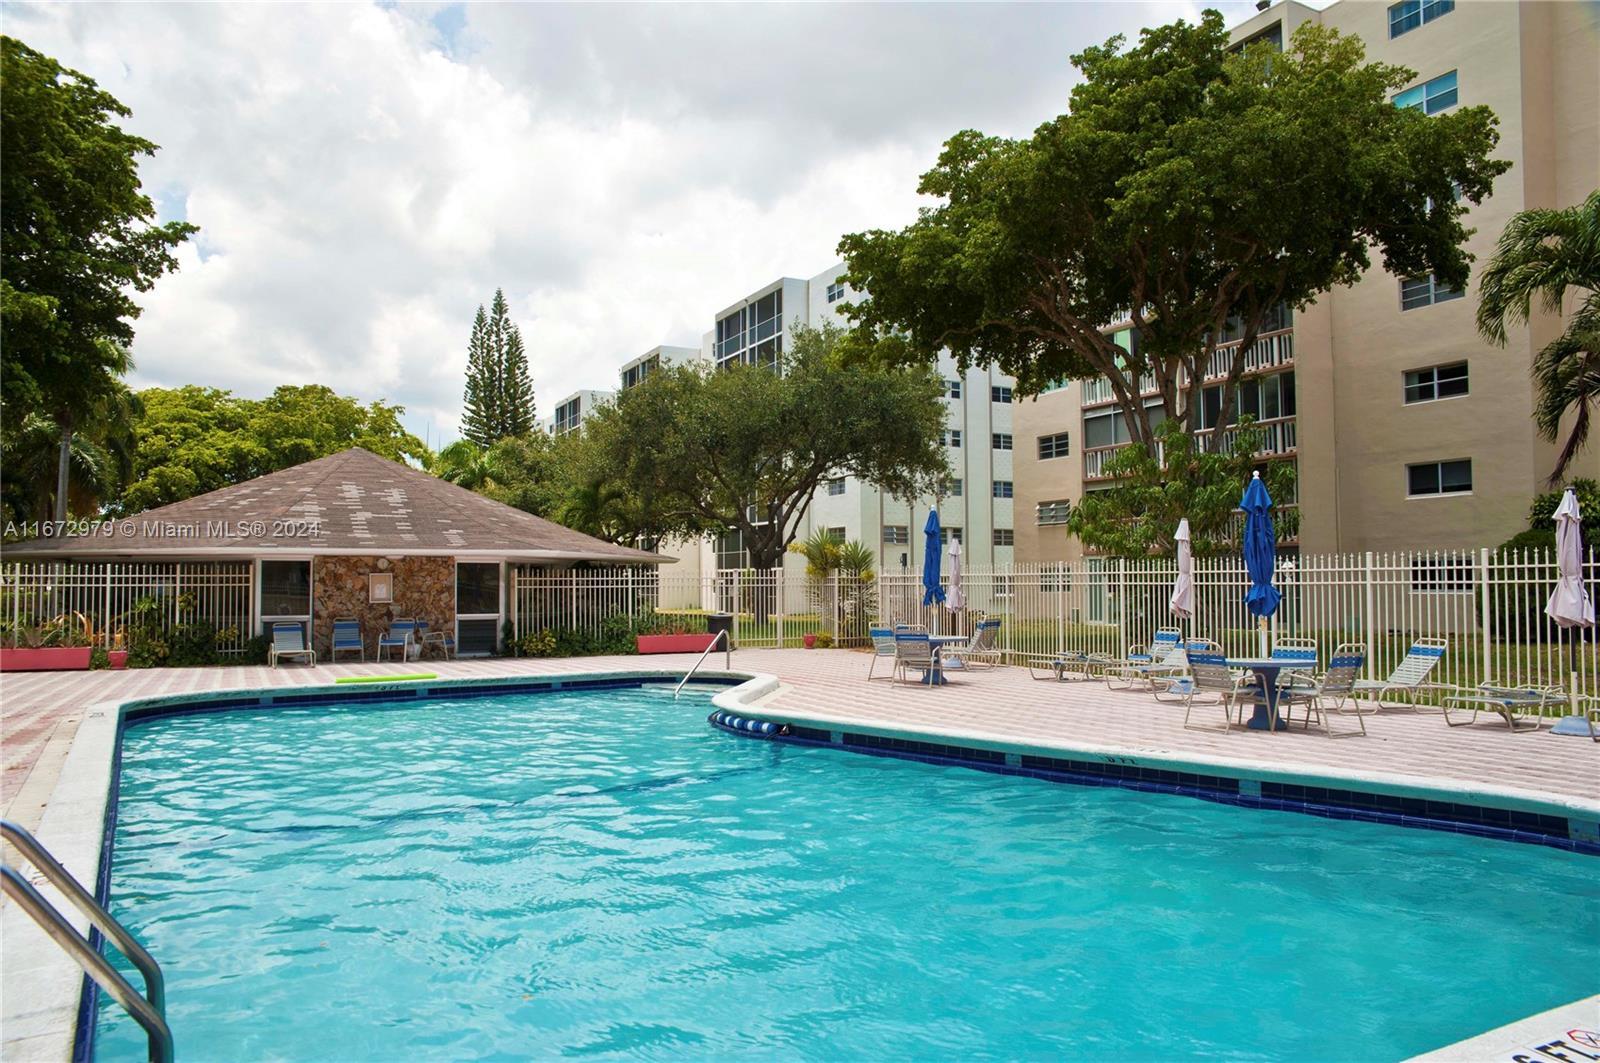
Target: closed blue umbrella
(1260, 552)
(932, 589)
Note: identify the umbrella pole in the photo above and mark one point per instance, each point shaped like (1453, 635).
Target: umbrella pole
(1263, 639)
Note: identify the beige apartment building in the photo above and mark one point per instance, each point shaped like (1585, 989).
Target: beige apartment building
(1408, 430)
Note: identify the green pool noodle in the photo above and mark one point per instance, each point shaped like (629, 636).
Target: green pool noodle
(383, 678)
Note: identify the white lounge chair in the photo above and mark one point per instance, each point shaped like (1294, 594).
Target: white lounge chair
(882, 646)
(982, 650)
(1409, 677)
(1163, 659)
(289, 640)
(1521, 707)
(1071, 664)
(1333, 692)
(1175, 684)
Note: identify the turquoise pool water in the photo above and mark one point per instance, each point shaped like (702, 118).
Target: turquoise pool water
(601, 874)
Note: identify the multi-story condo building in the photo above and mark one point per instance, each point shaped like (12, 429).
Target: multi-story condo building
(571, 411)
(1407, 429)
(978, 503)
(634, 372)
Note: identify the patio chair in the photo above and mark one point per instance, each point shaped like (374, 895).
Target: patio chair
(981, 650)
(882, 646)
(1210, 677)
(1164, 657)
(440, 640)
(1521, 707)
(1332, 692)
(1409, 677)
(401, 636)
(347, 638)
(912, 650)
(289, 640)
(1177, 684)
(1302, 657)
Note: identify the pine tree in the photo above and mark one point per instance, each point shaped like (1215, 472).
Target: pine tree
(479, 420)
(499, 397)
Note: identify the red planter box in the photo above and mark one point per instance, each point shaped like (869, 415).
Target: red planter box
(45, 659)
(673, 643)
(118, 659)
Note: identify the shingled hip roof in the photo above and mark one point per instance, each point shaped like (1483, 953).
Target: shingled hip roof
(353, 502)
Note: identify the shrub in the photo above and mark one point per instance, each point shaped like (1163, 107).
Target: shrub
(824, 640)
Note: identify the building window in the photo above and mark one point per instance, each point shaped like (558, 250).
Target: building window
(948, 532)
(836, 486)
(568, 414)
(952, 389)
(1004, 537)
(751, 334)
(1409, 14)
(1055, 512)
(1430, 97)
(1003, 489)
(1002, 440)
(285, 588)
(1055, 446)
(954, 487)
(896, 534)
(1439, 478)
(836, 534)
(1000, 394)
(952, 438)
(1425, 291)
(1436, 382)
(1446, 572)
(835, 292)
(477, 589)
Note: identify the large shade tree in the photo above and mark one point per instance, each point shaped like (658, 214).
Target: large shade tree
(78, 240)
(700, 449)
(1190, 190)
(1547, 257)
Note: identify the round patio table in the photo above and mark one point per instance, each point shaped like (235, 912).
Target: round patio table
(935, 675)
(1266, 670)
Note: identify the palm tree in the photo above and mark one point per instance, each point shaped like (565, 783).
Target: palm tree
(595, 507)
(466, 464)
(1546, 255)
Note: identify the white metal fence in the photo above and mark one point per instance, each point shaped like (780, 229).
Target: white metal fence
(1489, 609)
(111, 597)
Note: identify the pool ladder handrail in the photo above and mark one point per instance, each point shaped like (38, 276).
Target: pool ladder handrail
(727, 658)
(148, 1010)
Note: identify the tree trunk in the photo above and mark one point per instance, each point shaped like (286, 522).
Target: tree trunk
(63, 467)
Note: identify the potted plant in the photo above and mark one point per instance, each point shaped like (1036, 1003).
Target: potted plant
(118, 653)
(58, 644)
(810, 639)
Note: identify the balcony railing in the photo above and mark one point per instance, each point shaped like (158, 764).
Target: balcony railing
(1280, 437)
(1270, 351)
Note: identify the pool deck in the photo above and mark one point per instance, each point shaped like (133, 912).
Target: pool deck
(40, 714)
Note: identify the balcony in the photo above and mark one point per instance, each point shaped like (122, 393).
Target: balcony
(1271, 351)
(1281, 439)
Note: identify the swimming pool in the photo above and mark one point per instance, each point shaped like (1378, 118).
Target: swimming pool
(599, 873)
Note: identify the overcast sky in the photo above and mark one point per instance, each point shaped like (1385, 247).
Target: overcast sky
(365, 175)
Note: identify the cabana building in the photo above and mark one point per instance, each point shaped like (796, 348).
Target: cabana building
(349, 535)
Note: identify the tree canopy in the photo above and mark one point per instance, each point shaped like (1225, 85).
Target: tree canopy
(77, 236)
(1139, 516)
(1544, 256)
(499, 394)
(1188, 190)
(191, 440)
(697, 449)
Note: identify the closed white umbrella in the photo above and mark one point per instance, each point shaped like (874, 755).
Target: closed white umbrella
(1182, 601)
(957, 599)
(1569, 604)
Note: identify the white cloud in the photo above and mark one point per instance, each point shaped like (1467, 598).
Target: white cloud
(365, 176)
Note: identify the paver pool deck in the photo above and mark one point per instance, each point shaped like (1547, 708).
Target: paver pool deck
(40, 715)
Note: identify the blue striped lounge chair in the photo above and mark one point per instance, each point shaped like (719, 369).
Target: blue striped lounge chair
(347, 638)
(289, 640)
(1163, 658)
(400, 636)
(882, 646)
(1409, 677)
(983, 650)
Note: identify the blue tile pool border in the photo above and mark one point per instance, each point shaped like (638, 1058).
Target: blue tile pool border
(1453, 817)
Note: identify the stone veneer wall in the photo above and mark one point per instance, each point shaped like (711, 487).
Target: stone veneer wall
(424, 588)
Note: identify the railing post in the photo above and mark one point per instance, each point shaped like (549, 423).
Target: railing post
(781, 591)
(1122, 605)
(736, 603)
(105, 620)
(1372, 621)
(1486, 622)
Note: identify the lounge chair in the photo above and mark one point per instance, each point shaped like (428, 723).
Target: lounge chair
(440, 640)
(1332, 692)
(912, 650)
(401, 636)
(1176, 684)
(289, 640)
(981, 650)
(882, 646)
(1521, 707)
(1163, 659)
(1410, 677)
(1210, 677)
(347, 638)
(1071, 664)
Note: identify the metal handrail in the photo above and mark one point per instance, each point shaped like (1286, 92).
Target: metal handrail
(149, 1010)
(727, 659)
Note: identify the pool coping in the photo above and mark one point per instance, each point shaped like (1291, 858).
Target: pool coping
(45, 995)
